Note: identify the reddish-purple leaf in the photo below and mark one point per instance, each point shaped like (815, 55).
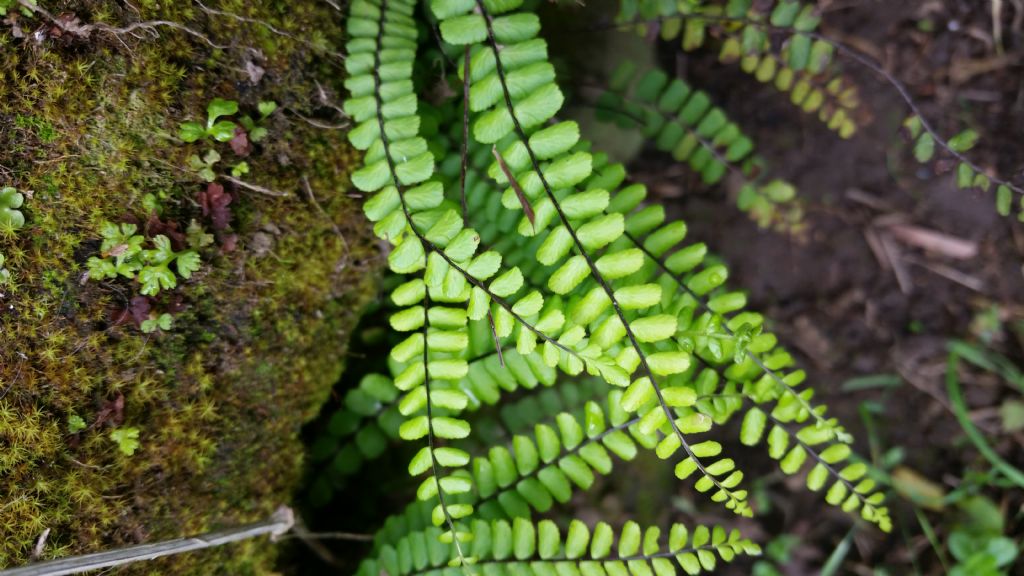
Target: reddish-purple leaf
(214, 201)
(156, 227)
(240, 144)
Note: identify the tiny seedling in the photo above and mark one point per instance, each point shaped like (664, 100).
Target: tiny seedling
(257, 131)
(196, 236)
(127, 439)
(204, 166)
(154, 322)
(240, 169)
(219, 130)
(10, 201)
(75, 424)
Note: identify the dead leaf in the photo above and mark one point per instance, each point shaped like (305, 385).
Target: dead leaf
(527, 208)
(254, 71)
(934, 241)
(918, 489)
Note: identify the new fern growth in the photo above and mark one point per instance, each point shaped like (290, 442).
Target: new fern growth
(529, 259)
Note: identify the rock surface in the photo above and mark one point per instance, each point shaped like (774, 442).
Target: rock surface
(90, 107)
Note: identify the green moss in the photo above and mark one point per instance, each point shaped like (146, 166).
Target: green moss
(87, 130)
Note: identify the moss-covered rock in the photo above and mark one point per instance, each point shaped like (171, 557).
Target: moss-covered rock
(89, 134)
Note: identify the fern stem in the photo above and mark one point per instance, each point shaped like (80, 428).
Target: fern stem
(435, 467)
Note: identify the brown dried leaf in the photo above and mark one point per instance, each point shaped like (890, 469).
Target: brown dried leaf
(527, 208)
(497, 341)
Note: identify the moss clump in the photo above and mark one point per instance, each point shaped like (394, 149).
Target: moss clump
(87, 133)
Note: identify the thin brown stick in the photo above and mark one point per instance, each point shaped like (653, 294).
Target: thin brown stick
(84, 30)
(268, 26)
(334, 225)
(494, 334)
(255, 187)
(465, 139)
(523, 200)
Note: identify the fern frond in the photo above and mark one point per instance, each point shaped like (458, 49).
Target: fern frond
(851, 490)
(802, 67)
(701, 334)
(383, 104)
(684, 122)
(968, 174)
(756, 380)
(720, 405)
(745, 379)
(523, 547)
(513, 98)
(573, 276)
(548, 464)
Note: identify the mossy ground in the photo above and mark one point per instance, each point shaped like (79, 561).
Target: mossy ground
(87, 129)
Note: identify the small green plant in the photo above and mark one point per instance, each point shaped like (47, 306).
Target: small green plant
(255, 127)
(5, 275)
(224, 130)
(7, 5)
(219, 130)
(75, 424)
(123, 253)
(197, 236)
(10, 201)
(154, 322)
(981, 554)
(127, 439)
(204, 166)
(240, 169)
